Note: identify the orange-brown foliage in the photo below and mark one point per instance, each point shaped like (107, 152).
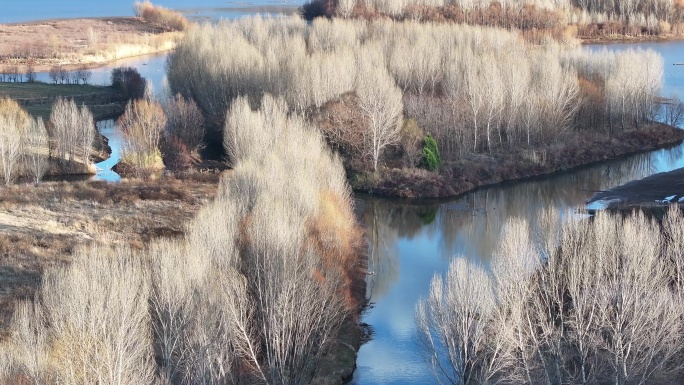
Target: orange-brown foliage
(338, 238)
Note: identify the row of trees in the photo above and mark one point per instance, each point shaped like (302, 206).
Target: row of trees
(17, 74)
(474, 89)
(59, 74)
(622, 16)
(569, 302)
(27, 147)
(254, 293)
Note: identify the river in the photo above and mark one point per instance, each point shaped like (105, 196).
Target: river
(410, 242)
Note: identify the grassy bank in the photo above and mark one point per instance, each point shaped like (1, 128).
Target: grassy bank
(478, 170)
(37, 97)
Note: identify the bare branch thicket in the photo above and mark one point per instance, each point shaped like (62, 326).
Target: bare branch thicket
(589, 302)
(185, 122)
(141, 126)
(36, 150)
(14, 123)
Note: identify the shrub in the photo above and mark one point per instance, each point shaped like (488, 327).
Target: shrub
(141, 126)
(317, 8)
(129, 82)
(160, 16)
(411, 138)
(431, 157)
(175, 153)
(185, 122)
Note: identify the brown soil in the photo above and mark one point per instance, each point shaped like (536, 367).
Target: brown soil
(76, 43)
(479, 170)
(41, 226)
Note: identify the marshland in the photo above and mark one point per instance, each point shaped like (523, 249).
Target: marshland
(341, 191)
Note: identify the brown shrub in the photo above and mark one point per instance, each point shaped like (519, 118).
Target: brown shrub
(175, 154)
(161, 16)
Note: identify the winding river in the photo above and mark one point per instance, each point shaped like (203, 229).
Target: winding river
(410, 242)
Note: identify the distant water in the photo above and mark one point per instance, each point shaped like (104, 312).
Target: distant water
(14, 11)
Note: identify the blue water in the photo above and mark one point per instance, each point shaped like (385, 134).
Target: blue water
(13, 11)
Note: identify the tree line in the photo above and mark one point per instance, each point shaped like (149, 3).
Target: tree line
(474, 89)
(587, 17)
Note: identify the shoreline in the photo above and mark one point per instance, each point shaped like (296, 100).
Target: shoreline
(483, 170)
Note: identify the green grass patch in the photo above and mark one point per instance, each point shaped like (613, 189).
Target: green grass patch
(37, 97)
(39, 90)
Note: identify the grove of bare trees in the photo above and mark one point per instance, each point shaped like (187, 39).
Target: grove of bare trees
(254, 293)
(473, 89)
(27, 147)
(587, 17)
(72, 132)
(568, 301)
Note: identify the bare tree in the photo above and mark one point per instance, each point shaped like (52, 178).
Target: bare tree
(36, 150)
(14, 122)
(381, 102)
(454, 319)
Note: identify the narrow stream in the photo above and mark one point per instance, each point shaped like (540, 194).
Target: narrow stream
(104, 169)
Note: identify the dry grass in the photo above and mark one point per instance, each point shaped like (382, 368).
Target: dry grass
(41, 226)
(160, 16)
(75, 43)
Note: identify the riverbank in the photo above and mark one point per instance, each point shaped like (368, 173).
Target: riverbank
(654, 194)
(479, 170)
(79, 43)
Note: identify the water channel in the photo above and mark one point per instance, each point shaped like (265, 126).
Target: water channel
(410, 242)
